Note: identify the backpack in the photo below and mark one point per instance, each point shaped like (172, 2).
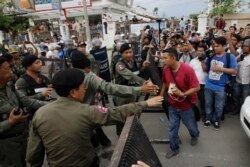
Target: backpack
(181, 54)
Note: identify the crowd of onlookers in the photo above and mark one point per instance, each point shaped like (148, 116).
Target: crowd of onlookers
(216, 66)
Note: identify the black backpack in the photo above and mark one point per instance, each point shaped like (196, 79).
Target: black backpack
(181, 54)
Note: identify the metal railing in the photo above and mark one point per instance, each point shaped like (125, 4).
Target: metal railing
(134, 145)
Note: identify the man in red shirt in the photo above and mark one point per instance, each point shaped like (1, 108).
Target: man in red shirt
(181, 83)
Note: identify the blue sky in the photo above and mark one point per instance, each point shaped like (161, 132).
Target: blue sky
(177, 8)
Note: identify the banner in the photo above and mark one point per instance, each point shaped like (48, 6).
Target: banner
(41, 5)
(101, 55)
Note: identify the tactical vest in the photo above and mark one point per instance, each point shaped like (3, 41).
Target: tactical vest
(122, 81)
(32, 84)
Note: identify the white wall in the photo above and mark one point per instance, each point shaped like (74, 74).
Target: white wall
(202, 23)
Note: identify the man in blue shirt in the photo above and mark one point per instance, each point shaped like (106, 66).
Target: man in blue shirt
(218, 75)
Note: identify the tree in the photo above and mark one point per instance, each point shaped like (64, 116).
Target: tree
(224, 6)
(12, 22)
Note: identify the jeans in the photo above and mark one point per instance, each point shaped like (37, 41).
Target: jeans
(188, 119)
(215, 100)
(240, 92)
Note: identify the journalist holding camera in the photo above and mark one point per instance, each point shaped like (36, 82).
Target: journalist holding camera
(13, 120)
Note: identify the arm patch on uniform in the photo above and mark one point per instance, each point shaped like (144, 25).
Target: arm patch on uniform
(103, 109)
(121, 67)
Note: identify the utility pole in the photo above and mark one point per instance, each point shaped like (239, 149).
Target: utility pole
(86, 17)
(62, 26)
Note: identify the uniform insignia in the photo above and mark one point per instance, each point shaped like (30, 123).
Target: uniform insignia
(103, 109)
(121, 67)
(97, 77)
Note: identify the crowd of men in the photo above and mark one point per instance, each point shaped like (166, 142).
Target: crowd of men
(182, 64)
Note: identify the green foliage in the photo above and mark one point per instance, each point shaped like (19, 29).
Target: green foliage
(224, 7)
(5, 22)
(194, 16)
(12, 23)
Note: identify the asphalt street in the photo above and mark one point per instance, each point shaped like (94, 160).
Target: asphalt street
(228, 147)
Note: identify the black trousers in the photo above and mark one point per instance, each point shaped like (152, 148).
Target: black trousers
(100, 138)
(96, 162)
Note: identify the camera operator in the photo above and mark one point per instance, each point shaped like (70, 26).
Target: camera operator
(196, 64)
(13, 124)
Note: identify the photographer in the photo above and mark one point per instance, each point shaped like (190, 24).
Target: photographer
(196, 64)
(13, 124)
(32, 85)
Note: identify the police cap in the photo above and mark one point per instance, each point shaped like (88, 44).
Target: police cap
(125, 47)
(66, 80)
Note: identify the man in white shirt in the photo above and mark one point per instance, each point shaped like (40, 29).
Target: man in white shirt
(241, 87)
(51, 54)
(196, 64)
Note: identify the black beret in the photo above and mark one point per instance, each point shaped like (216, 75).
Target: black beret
(66, 80)
(28, 60)
(7, 56)
(79, 60)
(125, 47)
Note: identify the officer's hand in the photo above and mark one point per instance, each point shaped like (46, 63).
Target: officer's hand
(47, 92)
(13, 119)
(149, 87)
(154, 101)
(140, 164)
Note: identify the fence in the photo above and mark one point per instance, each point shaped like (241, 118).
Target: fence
(134, 145)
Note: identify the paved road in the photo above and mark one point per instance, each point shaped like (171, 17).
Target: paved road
(228, 147)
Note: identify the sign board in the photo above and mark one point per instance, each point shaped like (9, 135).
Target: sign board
(41, 5)
(136, 28)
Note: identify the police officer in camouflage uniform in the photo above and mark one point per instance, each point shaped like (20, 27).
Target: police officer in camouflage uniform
(126, 73)
(33, 85)
(13, 124)
(17, 69)
(63, 128)
(95, 84)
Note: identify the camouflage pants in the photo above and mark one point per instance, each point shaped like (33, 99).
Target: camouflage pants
(13, 151)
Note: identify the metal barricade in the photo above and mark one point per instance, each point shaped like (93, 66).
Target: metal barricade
(134, 145)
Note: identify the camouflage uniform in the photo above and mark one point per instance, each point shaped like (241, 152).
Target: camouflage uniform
(126, 74)
(95, 84)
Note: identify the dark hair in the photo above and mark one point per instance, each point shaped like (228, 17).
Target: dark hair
(172, 52)
(238, 37)
(221, 15)
(79, 60)
(2, 60)
(233, 27)
(221, 41)
(202, 46)
(7, 56)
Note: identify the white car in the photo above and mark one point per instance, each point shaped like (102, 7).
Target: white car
(245, 116)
